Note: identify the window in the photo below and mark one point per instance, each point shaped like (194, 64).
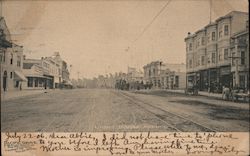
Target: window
(203, 41)
(220, 34)
(202, 60)
(176, 81)
(30, 82)
(226, 30)
(36, 82)
(18, 61)
(213, 36)
(220, 57)
(213, 57)
(208, 37)
(225, 54)
(198, 42)
(208, 59)
(190, 47)
(242, 81)
(11, 59)
(233, 60)
(242, 58)
(11, 75)
(190, 63)
(17, 84)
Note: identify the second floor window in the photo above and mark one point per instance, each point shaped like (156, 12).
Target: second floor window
(203, 41)
(11, 59)
(213, 36)
(226, 32)
(242, 54)
(213, 57)
(190, 47)
(225, 54)
(18, 61)
(203, 60)
(190, 63)
(220, 34)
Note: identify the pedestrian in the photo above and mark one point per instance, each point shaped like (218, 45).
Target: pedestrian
(225, 93)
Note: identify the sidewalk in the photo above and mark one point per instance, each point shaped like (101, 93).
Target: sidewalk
(201, 93)
(16, 94)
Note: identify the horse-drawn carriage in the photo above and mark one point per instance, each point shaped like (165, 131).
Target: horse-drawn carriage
(191, 89)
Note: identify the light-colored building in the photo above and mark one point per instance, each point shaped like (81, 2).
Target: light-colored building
(208, 54)
(165, 75)
(38, 74)
(11, 57)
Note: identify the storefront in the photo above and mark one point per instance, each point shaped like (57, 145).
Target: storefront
(226, 78)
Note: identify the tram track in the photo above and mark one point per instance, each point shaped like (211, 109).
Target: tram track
(175, 121)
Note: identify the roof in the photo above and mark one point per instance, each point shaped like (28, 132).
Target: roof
(230, 14)
(27, 65)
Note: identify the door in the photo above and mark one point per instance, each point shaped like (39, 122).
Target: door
(5, 81)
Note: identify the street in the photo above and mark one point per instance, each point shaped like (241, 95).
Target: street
(112, 110)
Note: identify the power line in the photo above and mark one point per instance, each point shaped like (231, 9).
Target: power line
(151, 22)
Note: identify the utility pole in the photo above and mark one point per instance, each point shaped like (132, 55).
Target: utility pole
(1, 8)
(210, 11)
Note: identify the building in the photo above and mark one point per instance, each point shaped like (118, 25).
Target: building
(11, 57)
(38, 74)
(135, 78)
(240, 58)
(208, 52)
(165, 75)
(172, 79)
(54, 68)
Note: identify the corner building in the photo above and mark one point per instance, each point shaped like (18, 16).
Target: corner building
(208, 52)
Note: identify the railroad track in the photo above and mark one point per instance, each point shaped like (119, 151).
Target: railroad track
(173, 120)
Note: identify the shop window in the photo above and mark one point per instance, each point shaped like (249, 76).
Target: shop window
(177, 81)
(242, 81)
(226, 31)
(36, 82)
(242, 58)
(30, 82)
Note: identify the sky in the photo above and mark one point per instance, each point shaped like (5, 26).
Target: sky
(105, 36)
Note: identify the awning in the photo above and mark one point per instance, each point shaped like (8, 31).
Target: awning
(19, 76)
(4, 43)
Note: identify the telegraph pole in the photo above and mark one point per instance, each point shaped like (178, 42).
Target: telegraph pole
(1, 8)
(210, 11)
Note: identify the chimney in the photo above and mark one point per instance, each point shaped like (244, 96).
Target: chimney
(41, 58)
(189, 33)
